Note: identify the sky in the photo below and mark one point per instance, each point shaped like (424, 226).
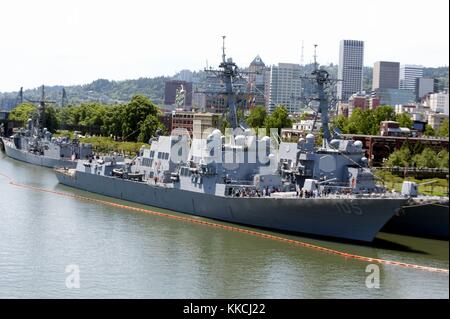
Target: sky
(77, 41)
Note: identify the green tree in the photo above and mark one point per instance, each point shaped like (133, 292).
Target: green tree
(404, 120)
(427, 158)
(360, 122)
(65, 115)
(381, 113)
(369, 123)
(135, 114)
(51, 121)
(401, 157)
(384, 113)
(443, 159)
(340, 122)
(114, 118)
(365, 122)
(443, 129)
(148, 128)
(257, 117)
(429, 131)
(23, 112)
(279, 119)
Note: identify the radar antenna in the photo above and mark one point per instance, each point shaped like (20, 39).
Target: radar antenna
(229, 74)
(323, 82)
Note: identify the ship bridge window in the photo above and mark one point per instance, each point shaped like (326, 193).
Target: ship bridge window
(147, 162)
(163, 155)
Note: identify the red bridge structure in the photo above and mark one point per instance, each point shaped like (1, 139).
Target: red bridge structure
(378, 148)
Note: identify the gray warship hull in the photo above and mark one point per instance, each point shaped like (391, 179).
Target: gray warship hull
(35, 159)
(348, 218)
(429, 220)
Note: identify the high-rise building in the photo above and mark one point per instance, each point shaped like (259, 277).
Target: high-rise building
(256, 81)
(350, 70)
(438, 102)
(386, 75)
(408, 75)
(425, 86)
(283, 87)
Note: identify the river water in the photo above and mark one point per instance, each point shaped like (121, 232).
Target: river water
(118, 253)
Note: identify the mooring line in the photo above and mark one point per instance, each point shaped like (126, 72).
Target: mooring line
(232, 228)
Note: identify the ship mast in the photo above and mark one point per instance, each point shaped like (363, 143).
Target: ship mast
(321, 79)
(40, 121)
(228, 72)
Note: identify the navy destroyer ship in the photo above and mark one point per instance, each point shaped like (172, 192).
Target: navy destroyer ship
(423, 215)
(319, 190)
(34, 144)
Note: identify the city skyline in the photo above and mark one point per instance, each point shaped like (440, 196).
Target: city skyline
(114, 41)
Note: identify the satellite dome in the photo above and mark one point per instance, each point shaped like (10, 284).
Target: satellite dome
(335, 143)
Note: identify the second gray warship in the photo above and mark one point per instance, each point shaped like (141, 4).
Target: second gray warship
(237, 178)
(34, 144)
(423, 216)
